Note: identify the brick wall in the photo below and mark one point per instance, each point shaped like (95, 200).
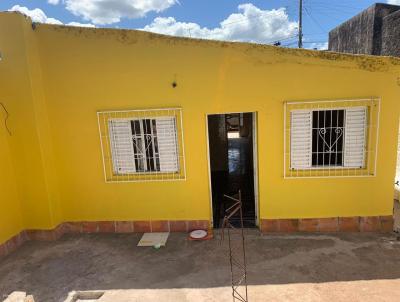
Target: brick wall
(374, 31)
(334, 224)
(355, 35)
(391, 35)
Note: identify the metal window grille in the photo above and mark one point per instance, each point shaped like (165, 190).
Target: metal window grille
(327, 137)
(331, 138)
(142, 145)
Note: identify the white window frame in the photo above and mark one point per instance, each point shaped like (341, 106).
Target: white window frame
(288, 157)
(163, 166)
(140, 114)
(343, 166)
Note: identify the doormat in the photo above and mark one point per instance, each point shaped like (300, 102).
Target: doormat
(153, 239)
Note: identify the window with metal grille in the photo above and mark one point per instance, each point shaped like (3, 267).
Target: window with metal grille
(327, 137)
(142, 145)
(331, 138)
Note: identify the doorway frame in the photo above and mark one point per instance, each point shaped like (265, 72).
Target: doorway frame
(255, 164)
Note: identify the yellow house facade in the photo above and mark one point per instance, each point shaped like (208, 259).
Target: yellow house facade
(68, 91)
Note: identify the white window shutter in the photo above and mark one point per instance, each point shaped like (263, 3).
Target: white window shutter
(300, 139)
(167, 144)
(122, 153)
(354, 140)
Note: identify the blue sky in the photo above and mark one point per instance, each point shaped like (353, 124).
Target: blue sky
(260, 21)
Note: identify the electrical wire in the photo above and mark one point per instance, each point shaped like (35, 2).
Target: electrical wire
(246, 19)
(280, 40)
(5, 120)
(314, 20)
(329, 5)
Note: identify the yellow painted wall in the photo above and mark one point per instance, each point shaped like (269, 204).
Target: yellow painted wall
(22, 93)
(81, 71)
(10, 213)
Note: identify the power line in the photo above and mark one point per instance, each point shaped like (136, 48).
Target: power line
(334, 5)
(300, 35)
(316, 42)
(280, 40)
(313, 19)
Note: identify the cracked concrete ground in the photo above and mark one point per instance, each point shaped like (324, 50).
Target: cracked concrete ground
(323, 267)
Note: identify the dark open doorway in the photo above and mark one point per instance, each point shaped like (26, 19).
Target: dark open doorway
(231, 149)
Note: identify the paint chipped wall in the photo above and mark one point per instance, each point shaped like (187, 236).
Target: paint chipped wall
(77, 72)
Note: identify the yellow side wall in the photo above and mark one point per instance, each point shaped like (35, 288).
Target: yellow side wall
(22, 93)
(82, 71)
(10, 213)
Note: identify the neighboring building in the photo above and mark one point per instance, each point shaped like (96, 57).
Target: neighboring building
(123, 130)
(375, 31)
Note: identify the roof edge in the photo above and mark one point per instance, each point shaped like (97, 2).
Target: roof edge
(322, 54)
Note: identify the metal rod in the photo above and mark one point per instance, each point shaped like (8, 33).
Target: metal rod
(243, 243)
(237, 263)
(230, 197)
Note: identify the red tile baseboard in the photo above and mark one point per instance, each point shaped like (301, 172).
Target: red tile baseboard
(334, 224)
(101, 227)
(13, 243)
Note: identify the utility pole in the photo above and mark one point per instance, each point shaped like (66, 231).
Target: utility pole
(300, 23)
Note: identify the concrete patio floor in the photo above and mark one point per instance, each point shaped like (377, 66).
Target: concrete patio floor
(323, 267)
(396, 210)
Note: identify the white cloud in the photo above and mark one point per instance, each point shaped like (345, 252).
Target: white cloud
(250, 24)
(395, 2)
(53, 2)
(318, 45)
(37, 15)
(80, 24)
(111, 11)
